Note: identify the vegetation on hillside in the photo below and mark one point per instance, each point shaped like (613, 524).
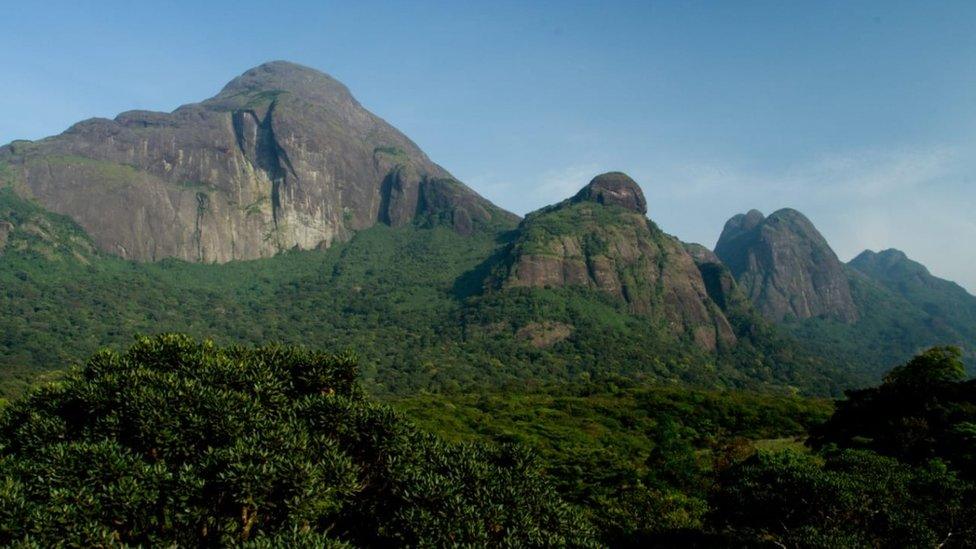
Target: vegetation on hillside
(892, 467)
(638, 460)
(407, 299)
(893, 327)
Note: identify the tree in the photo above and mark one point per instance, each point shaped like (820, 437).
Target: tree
(182, 442)
(923, 410)
(936, 366)
(849, 498)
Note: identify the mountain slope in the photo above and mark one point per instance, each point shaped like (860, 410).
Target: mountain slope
(946, 302)
(410, 300)
(786, 267)
(601, 239)
(283, 157)
(865, 317)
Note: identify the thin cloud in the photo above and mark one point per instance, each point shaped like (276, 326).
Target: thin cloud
(912, 199)
(546, 188)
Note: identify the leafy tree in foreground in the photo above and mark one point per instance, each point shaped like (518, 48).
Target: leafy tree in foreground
(180, 442)
(849, 498)
(925, 409)
(895, 469)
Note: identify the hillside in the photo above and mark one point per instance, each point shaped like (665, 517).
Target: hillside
(410, 300)
(870, 314)
(948, 305)
(601, 239)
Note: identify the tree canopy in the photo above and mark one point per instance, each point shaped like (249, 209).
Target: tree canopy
(183, 442)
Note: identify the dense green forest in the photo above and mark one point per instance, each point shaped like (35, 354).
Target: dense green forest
(408, 301)
(187, 442)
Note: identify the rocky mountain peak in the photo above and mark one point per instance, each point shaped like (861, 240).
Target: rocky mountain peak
(786, 267)
(896, 270)
(619, 252)
(869, 260)
(744, 222)
(283, 157)
(614, 188)
(284, 77)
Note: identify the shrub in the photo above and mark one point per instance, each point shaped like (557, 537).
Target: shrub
(182, 442)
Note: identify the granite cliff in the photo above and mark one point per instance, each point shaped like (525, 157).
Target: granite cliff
(785, 267)
(283, 157)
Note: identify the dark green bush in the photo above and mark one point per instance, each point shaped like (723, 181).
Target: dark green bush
(188, 443)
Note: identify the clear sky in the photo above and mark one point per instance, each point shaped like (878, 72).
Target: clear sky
(860, 114)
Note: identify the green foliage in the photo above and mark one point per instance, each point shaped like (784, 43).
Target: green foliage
(895, 469)
(923, 411)
(933, 367)
(848, 498)
(596, 224)
(407, 299)
(892, 328)
(187, 443)
(637, 460)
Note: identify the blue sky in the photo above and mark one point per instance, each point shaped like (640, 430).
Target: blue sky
(860, 114)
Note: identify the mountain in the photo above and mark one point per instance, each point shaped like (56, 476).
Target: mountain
(786, 267)
(947, 306)
(426, 307)
(913, 281)
(283, 157)
(864, 317)
(601, 239)
(356, 239)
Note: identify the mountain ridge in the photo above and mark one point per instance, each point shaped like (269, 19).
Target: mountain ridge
(282, 157)
(786, 266)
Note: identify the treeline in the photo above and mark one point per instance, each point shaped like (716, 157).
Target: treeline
(182, 442)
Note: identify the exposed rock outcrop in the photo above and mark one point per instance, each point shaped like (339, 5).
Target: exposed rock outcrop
(614, 189)
(600, 239)
(283, 157)
(784, 265)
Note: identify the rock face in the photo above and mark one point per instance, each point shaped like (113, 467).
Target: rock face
(718, 279)
(283, 157)
(701, 254)
(784, 265)
(614, 189)
(600, 239)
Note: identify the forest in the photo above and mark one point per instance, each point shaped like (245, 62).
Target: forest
(269, 319)
(187, 442)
